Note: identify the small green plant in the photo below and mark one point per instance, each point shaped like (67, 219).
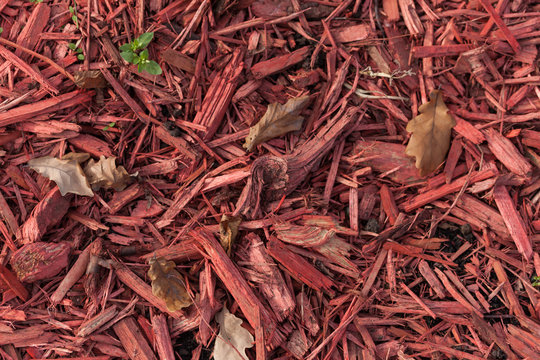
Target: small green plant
(1, 29)
(77, 50)
(36, 1)
(110, 125)
(73, 12)
(536, 281)
(136, 52)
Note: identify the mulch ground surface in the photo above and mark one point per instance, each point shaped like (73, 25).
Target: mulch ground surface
(255, 156)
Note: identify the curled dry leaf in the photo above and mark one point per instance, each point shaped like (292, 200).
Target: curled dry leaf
(228, 229)
(232, 340)
(105, 174)
(40, 260)
(430, 137)
(167, 284)
(78, 157)
(90, 79)
(277, 121)
(67, 174)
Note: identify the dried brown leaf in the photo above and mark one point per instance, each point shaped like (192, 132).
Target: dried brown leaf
(233, 339)
(90, 79)
(430, 137)
(167, 284)
(78, 157)
(228, 230)
(277, 121)
(67, 174)
(105, 174)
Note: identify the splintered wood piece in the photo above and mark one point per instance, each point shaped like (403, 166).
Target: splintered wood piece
(507, 153)
(388, 204)
(455, 293)
(34, 74)
(307, 315)
(225, 269)
(44, 107)
(432, 280)
(7, 216)
(178, 143)
(219, 95)
(133, 340)
(92, 145)
(47, 213)
(279, 63)
(182, 198)
(93, 324)
(7, 278)
(162, 337)
(456, 185)
(512, 219)
(179, 60)
(134, 106)
(34, 27)
(274, 288)
(299, 268)
(513, 302)
(74, 274)
(186, 249)
(502, 26)
(135, 283)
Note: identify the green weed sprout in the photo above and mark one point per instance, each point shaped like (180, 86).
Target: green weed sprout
(73, 12)
(78, 50)
(136, 52)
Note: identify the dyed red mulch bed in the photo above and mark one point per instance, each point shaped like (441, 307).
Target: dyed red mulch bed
(344, 251)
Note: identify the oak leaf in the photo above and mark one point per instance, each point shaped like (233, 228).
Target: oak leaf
(233, 339)
(105, 174)
(78, 157)
(228, 230)
(277, 121)
(430, 137)
(167, 284)
(67, 174)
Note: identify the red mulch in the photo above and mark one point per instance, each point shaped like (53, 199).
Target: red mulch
(344, 251)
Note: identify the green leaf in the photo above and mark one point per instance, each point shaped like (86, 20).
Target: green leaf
(129, 56)
(136, 59)
(125, 47)
(144, 55)
(80, 57)
(153, 68)
(71, 10)
(145, 39)
(141, 67)
(1, 29)
(72, 46)
(75, 20)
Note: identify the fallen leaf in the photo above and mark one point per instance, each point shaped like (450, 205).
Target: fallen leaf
(228, 229)
(233, 339)
(167, 284)
(277, 121)
(430, 137)
(78, 157)
(90, 79)
(105, 174)
(40, 260)
(67, 174)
